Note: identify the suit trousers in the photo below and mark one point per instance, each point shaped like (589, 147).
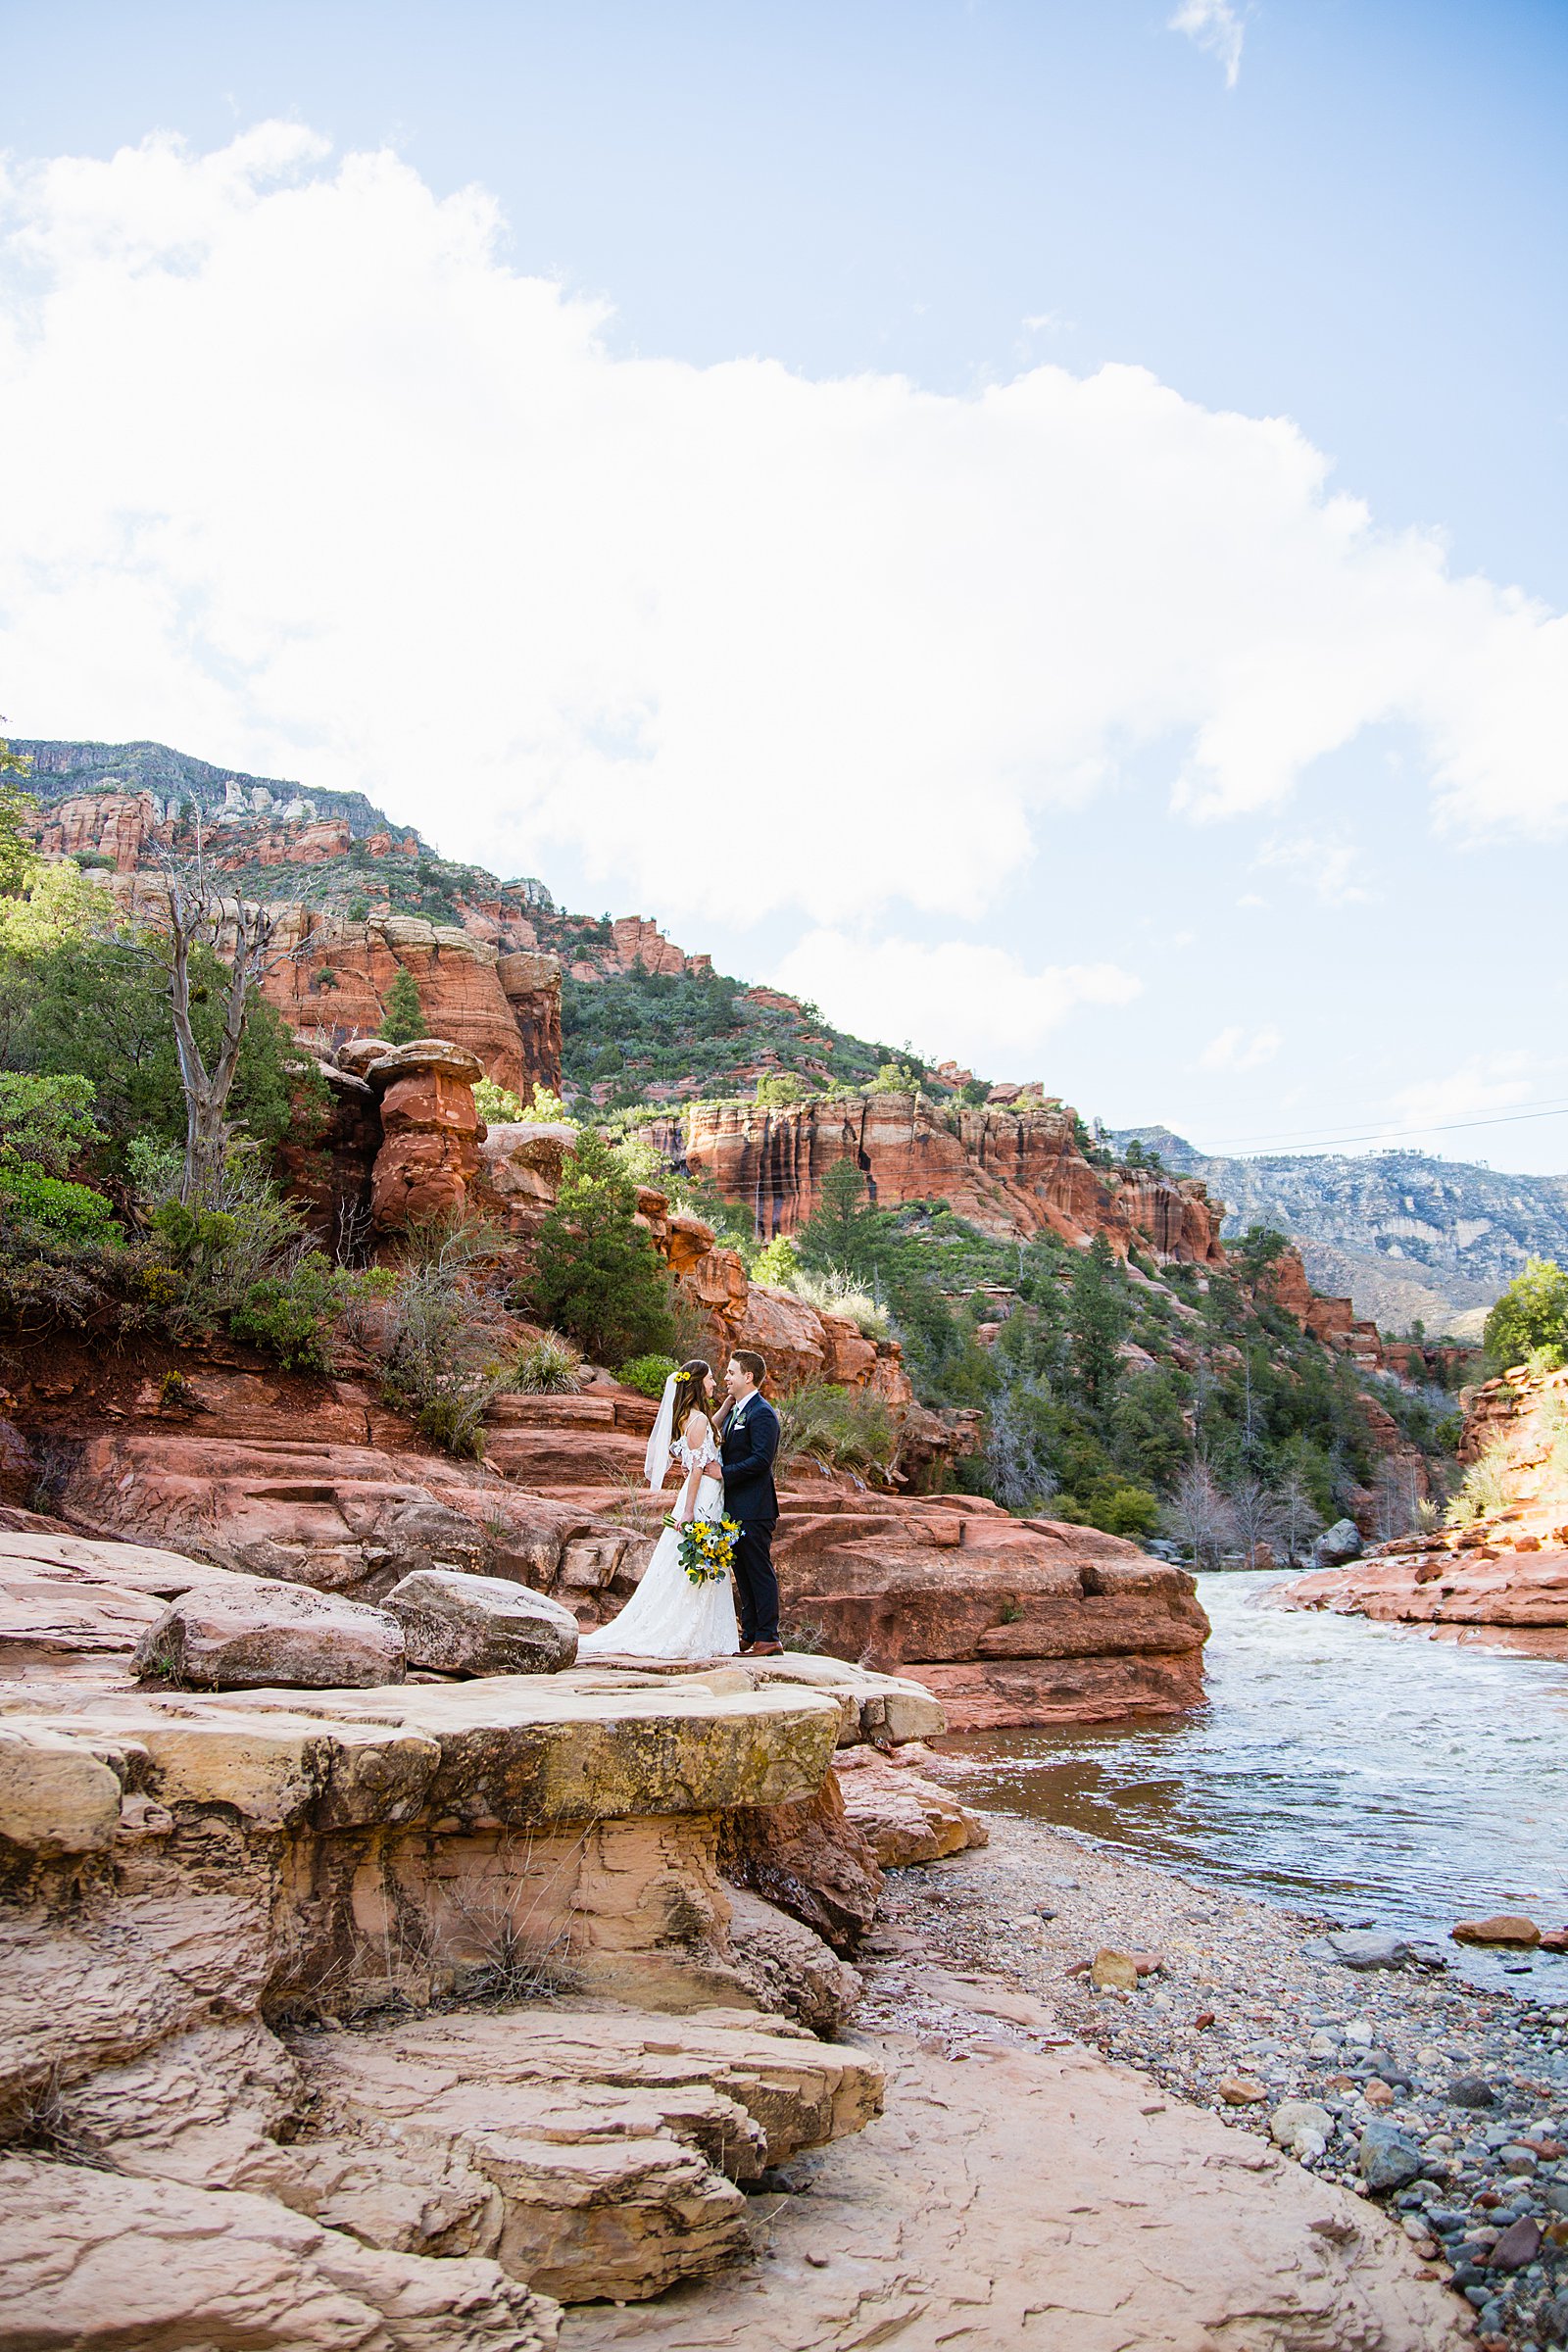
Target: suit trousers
(755, 1581)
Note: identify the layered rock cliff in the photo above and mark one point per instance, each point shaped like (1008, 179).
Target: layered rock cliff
(1008, 1171)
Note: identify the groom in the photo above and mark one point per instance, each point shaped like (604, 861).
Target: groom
(747, 1448)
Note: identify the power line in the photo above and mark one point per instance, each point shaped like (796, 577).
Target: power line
(1326, 1140)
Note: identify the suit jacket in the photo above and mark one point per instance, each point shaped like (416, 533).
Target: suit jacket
(747, 1448)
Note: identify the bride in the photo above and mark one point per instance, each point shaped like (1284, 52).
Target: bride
(668, 1616)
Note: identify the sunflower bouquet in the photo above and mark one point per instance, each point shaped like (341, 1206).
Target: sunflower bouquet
(707, 1547)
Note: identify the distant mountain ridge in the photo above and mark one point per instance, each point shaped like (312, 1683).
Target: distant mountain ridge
(1406, 1233)
(61, 770)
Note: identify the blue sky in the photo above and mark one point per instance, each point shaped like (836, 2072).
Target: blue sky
(1109, 797)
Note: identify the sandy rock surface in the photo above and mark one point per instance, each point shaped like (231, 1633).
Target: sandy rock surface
(98, 2263)
(1020, 2194)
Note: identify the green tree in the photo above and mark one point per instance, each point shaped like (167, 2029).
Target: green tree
(597, 1274)
(45, 1122)
(1097, 1318)
(843, 1234)
(403, 1016)
(1259, 1248)
(1530, 1314)
(18, 855)
(98, 1010)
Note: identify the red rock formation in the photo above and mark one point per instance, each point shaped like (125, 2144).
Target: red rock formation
(429, 1152)
(336, 984)
(639, 944)
(117, 825)
(1508, 1567)
(1334, 1321)
(1008, 1172)
(531, 986)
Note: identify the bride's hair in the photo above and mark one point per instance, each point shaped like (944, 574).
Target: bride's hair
(691, 1391)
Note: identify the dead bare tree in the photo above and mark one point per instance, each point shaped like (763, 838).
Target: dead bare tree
(241, 933)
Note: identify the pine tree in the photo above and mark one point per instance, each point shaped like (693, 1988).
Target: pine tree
(403, 1018)
(597, 1274)
(1098, 1317)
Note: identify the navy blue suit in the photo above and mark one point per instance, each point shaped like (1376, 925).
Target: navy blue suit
(748, 1449)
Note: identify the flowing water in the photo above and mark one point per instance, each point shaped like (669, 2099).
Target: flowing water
(1364, 1771)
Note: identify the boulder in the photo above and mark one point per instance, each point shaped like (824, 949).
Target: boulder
(1387, 2159)
(422, 1056)
(808, 1859)
(1504, 1927)
(791, 1970)
(463, 1624)
(1296, 2120)
(252, 1635)
(904, 1818)
(1374, 1947)
(1337, 1543)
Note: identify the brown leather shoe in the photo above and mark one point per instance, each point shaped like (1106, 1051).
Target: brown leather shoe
(766, 1650)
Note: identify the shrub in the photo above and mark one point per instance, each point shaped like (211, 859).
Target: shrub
(549, 1368)
(843, 1429)
(1126, 1511)
(442, 1354)
(359, 910)
(498, 1106)
(778, 1264)
(776, 1090)
(402, 1013)
(647, 1374)
(295, 1315)
(74, 1212)
(597, 1274)
(1481, 1491)
(45, 1122)
(839, 1294)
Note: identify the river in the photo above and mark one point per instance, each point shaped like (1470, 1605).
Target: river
(1367, 1771)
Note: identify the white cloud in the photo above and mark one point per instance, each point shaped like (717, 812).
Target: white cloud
(1335, 868)
(1234, 1049)
(298, 474)
(977, 1002)
(1215, 26)
(1479, 1086)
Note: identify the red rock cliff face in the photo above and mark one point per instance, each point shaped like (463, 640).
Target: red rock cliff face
(505, 1009)
(117, 825)
(1009, 1172)
(1334, 1321)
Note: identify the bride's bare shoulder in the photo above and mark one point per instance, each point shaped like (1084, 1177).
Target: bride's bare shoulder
(697, 1427)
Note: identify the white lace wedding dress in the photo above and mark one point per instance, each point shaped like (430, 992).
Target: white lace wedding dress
(668, 1616)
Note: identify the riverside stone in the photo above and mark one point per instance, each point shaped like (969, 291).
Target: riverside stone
(1504, 1926)
(253, 1634)
(481, 1624)
(1337, 1543)
(905, 1817)
(1388, 2159)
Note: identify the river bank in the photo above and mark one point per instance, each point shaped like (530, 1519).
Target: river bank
(1023, 2188)
(1241, 2016)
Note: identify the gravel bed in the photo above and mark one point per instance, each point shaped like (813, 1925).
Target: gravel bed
(1445, 2102)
